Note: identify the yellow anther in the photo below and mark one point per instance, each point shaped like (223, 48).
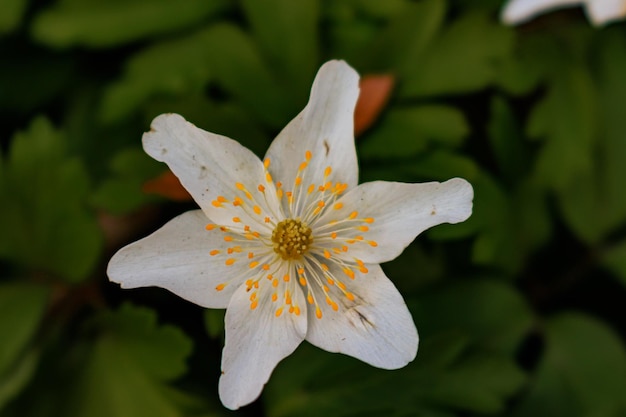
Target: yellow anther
(267, 219)
(224, 228)
(321, 204)
(228, 238)
(230, 261)
(358, 237)
(266, 163)
(373, 243)
(326, 254)
(333, 235)
(261, 188)
(239, 186)
(257, 209)
(341, 285)
(216, 203)
(286, 278)
(309, 298)
(326, 289)
(275, 283)
(236, 220)
(246, 228)
(279, 184)
(291, 309)
(266, 267)
(268, 177)
(253, 264)
(253, 296)
(350, 296)
(344, 248)
(302, 281)
(298, 180)
(303, 166)
(310, 189)
(327, 171)
(363, 228)
(237, 201)
(363, 269)
(221, 199)
(287, 297)
(236, 249)
(254, 304)
(368, 220)
(334, 305)
(324, 267)
(318, 312)
(279, 311)
(220, 287)
(330, 281)
(300, 271)
(296, 310)
(308, 155)
(274, 297)
(248, 195)
(348, 272)
(279, 193)
(214, 252)
(209, 226)
(353, 215)
(250, 255)
(338, 206)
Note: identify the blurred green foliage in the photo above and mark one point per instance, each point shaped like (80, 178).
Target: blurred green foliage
(520, 309)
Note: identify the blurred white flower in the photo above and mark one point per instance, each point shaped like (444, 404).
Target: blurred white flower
(292, 244)
(600, 12)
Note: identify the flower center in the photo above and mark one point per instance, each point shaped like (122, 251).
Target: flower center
(291, 239)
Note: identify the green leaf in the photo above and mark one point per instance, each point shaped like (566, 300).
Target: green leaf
(593, 202)
(566, 121)
(22, 307)
(130, 362)
(12, 13)
(408, 131)
(122, 193)
(614, 258)
(582, 372)
(100, 23)
(171, 67)
(464, 57)
(444, 376)
(294, 57)
(506, 141)
(402, 44)
(240, 70)
(43, 216)
(491, 314)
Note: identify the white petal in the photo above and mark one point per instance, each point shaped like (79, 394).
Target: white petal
(376, 327)
(400, 211)
(325, 128)
(520, 11)
(208, 166)
(256, 340)
(601, 12)
(176, 257)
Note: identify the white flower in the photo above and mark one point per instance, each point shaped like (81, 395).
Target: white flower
(289, 245)
(600, 12)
